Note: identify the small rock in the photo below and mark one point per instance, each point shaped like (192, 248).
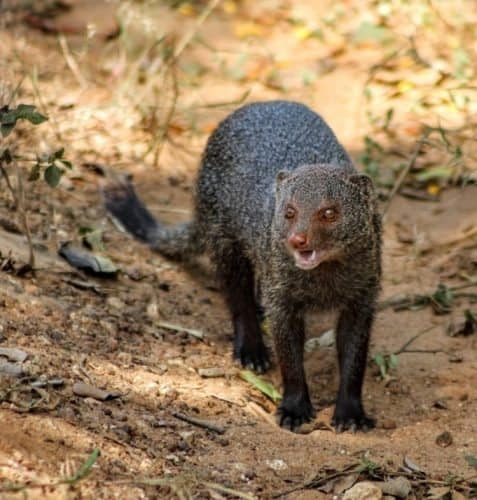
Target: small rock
(223, 441)
(173, 458)
(108, 326)
(13, 354)
(364, 491)
(10, 369)
(399, 487)
(388, 423)
(212, 372)
(115, 303)
(188, 437)
(277, 464)
(444, 440)
(152, 311)
(183, 445)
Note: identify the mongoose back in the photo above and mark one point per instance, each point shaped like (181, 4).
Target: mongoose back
(291, 226)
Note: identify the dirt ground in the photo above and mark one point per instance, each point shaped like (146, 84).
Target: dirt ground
(108, 333)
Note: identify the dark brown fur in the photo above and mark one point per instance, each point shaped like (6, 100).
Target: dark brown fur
(260, 160)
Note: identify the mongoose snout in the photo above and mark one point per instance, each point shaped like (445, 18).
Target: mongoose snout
(298, 241)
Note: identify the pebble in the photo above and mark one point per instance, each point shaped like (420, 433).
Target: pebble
(115, 303)
(388, 423)
(364, 491)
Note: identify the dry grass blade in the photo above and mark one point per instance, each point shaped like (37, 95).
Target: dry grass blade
(71, 62)
(178, 328)
(229, 491)
(85, 469)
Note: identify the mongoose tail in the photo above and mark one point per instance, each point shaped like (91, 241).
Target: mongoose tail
(179, 242)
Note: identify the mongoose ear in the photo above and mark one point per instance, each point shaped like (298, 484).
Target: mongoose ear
(364, 182)
(281, 176)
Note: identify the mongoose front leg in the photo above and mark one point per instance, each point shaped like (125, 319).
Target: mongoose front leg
(288, 328)
(352, 339)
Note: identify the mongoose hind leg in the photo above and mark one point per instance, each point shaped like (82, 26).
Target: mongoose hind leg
(235, 274)
(352, 339)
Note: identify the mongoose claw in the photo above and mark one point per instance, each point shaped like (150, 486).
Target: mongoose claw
(361, 423)
(256, 359)
(292, 418)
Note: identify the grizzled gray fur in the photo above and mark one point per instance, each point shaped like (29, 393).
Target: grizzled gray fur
(291, 226)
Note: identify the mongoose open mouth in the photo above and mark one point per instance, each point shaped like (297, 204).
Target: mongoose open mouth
(309, 259)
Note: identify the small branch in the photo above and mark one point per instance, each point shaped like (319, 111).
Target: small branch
(406, 170)
(199, 422)
(70, 61)
(24, 218)
(453, 240)
(188, 37)
(160, 137)
(19, 202)
(422, 351)
(159, 142)
(53, 121)
(9, 184)
(412, 339)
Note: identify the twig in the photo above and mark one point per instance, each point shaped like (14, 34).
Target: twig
(422, 351)
(170, 114)
(229, 491)
(406, 170)
(381, 64)
(19, 201)
(439, 16)
(199, 422)
(52, 118)
(70, 61)
(172, 210)
(187, 38)
(453, 240)
(177, 328)
(313, 483)
(24, 218)
(221, 104)
(7, 180)
(412, 339)
(159, 138)
(465, 285)
(15, 90)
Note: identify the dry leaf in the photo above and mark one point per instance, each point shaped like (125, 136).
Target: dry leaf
(247, 29)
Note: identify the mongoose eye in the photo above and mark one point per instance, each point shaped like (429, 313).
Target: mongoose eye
(290, 212)
(329, 214)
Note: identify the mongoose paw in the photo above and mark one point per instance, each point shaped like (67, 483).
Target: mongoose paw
(256, 359)
(291, 416)
(353, 423)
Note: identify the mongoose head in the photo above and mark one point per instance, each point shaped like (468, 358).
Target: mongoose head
(323, 213)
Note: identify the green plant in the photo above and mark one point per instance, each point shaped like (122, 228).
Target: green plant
(50, 166)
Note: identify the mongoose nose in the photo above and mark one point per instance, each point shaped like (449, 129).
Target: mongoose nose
(298, 240)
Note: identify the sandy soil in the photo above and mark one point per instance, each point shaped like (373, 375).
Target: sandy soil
(107, 332)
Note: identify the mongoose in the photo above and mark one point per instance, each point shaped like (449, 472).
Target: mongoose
(280, 208)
